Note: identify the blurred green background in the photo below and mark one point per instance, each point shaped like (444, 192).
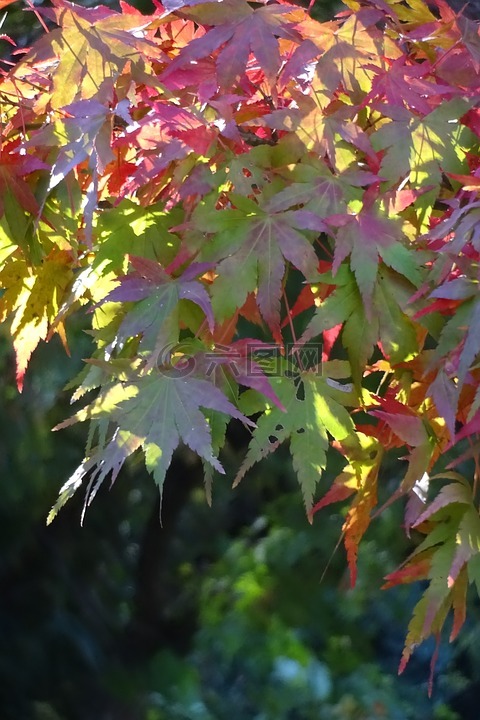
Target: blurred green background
(241, 611)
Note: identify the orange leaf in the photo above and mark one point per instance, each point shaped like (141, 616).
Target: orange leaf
(4, 3)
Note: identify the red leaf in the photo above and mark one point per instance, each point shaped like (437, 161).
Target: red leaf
(304, 301)
(470, 428)
(417, 570)
(13, 169)
(405, 84)
(441, 305)
(472, 120)
(409, 428)
(336, 493)
(248, 31)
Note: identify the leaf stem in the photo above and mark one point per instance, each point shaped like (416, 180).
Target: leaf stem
(292, 330)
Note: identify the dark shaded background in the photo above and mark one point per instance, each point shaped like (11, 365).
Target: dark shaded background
(241, 611)
(222, 613)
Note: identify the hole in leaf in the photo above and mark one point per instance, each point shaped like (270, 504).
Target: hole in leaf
(272, 439)
(300, 394)
(300, 431)
(279, 428)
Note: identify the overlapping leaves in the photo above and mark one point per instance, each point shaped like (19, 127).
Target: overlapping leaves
(215, 171)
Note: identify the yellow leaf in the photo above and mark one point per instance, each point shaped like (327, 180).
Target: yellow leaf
(33, 296)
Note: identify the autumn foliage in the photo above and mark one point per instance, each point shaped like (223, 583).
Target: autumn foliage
(269, 219)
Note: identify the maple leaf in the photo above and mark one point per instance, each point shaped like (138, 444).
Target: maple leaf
(420, 148)
(312, 405)
(154, 411)
(15, 192)
(151, 166)
(412, 430)
(247, 31)
(326, 195)
(84, 134)
(339, 304)
(463, 226)
(318, 190)
(366, 237)
(459, 342)
(251, 247)
(91, 48)
(403, 84)
(344, 307)
(451, 550)
(344, 485)
(33, 296)
(397, 332)
(218, 148)
(358, 516)
(358, 478)
(131, 230)
(186, 125)
(155, 316)
(348, 49)
(330, 134)
(444, 393)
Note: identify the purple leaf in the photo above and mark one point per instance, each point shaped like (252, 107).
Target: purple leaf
(172, 5)
(157, 296)
(306, 220)
(303, 55)
(196, 269)
(453, 493)
(196, 292)
(458, 289)
(444, 393)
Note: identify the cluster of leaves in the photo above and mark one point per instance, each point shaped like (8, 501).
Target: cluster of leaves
(272, 219)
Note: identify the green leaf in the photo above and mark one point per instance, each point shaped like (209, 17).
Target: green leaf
(155, 412)
(360, 335)
(129, 229)
(337, 307)
(396, 330)
(420, 148)
(367, 237)
(92, 52)
(255, 256)
(312, 409)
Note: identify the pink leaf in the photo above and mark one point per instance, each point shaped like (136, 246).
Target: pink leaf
(409, 428)
(452, 493)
